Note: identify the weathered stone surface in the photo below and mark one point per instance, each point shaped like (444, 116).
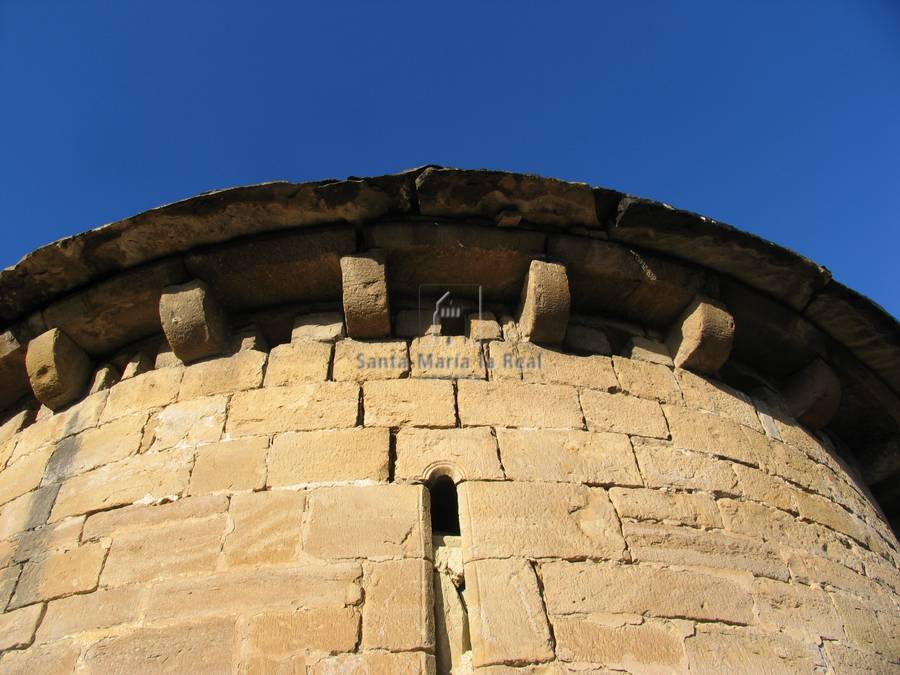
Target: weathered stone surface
(193, 321)
(328, 456)
(608, 278)
(549, 366)
(266, 527)
(537, 520)
(319, 326)
(757, 262)
(224, 375)
(8, 578)
(23, 475)
(40, 542)
(695, 510)
(91, 448)
(424, 253)
(712, 434)
(131, 518)
(303, 407)
(358, 361)
(47, 430)
(636, 647)
(230, 466)
(464, 454)
(483, 327)
(542, 201)
(721, 649)
(301, 361)
(589, 588)
(393, 525)
(586, 339)
(568, 456)
(761, 487)
(26, 511)
(712, 396)
(544, 307)
(291, 267)
(150, 390)
(503, 361)
(203, 647)
(450, 357)
(246, 591)
(58, 369)
(508, 624)
(510, 404)
(813, 394)
(17, 627)
(644, 349)
(805, 612)
(845, 659)
(118, 311)
(687, 546)
(323, 629)
(451, 622)
(365, 295)
(397, 614)
(376, 663)
(145, 477)
(58, 658)
(623, 414)
(59, 574)
(810, 569)
(87, 612)
(186, 423)
(409, 402)
(647, 380)
(701, 338)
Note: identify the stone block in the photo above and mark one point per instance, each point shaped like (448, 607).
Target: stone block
(538, 520)
(647, 380)
(447, 357)
(687, 546)
(585, 339)
(8, 576)
(644, 349)
(27, 511)
(701, 338)
(58, 369)
(186, 423)
(845, 659)
(104, 608)
(510, 404)
(42, 541)
(503, 361)
(376, 663)
(721, 649)
(810, 569)
(623, 414)
(140, 517)
(483, 327)
(409, 402)
(144, 477)
(549, 366)
(761, 487)
(328, 456)
(301, 361)
(508, 623)
(57, 658)
(155, 389)
(357, 361)
(320, 326)
(13, 374)
(693, 430)
(365, 296)
(230, 466)
(592, 588)
(813, 394)
(396, 523)
(694, 510)
(463, 454)
(805, 612)
(568, 456)
(49, 429)
(95, 447)
(23, 475)
(704, 393)
(397, 614)
(59, 574)
(179, 648)
(104, 377)
(17, 627)
(193, 321)
(635, 646)
(302, 407)
(224, 375)
(544, 307)
(266, 528)
(328, 630)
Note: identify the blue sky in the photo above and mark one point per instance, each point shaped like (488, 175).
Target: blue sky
(781, 118)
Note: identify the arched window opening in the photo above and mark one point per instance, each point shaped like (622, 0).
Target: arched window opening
(444, 506)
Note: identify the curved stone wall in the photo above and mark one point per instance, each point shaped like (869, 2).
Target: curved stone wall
(231, 440)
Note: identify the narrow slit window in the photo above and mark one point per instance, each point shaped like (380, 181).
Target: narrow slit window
(444, 506)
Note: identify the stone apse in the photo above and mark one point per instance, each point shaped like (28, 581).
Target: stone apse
(241, 434)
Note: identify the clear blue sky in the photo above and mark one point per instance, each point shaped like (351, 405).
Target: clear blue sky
(781, 118)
